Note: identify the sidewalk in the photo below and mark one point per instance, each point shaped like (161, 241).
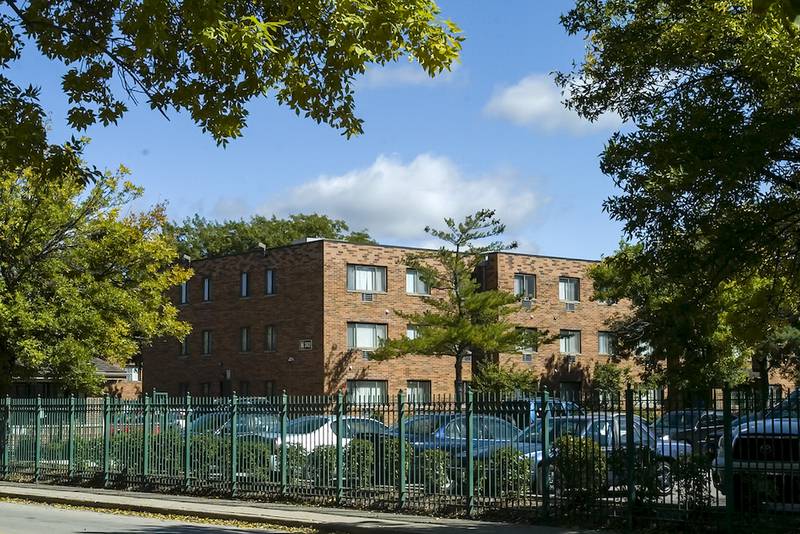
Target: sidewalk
(326, 519)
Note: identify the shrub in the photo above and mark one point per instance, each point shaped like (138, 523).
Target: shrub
(507, 472)
(359, 457)
(321, 465)
(387, 460)
(253, 458)
(580, 468)
(692, 474)
(296, 460)
(645, 472)
(436, 470)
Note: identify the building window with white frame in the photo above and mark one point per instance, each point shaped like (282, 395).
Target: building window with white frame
(570, 341)
(412, 331)
(207, 341)
(366, 278)
(365, 337)
(184, 295)
(132, 373)
(270, 339)
(606, 342)
(569, 289)
(244, 339)
(418, 391)
(415, 285)
(367, 391)
(206, 288)
(525, 286)
(270, 282)
(244, 284)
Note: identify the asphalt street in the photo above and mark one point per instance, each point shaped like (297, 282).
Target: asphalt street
(41, 519)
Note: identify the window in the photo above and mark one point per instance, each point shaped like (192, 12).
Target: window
(570, 341)
(184, 296)
(205, 388)
(270, 339)
(206, 289)
(132, 373)
(183, 389)
(605, 343)
(270, 283)
(365, 336)
(366, 391)
(207, 341)
(269, 388)
(418, 391)
(569, 289)
(244, 388)
(185, 346)
(414, 284)
(244, 285)
(525, 286)
(412, 332)
(244, 339)
(529, 347)
(366, 278)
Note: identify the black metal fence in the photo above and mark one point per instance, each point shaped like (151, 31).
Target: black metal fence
(723, 458)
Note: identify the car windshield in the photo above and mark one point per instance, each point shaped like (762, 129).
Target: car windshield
(306, 425)
(789, 408)
(209, 422)
(685, 419)
(424, 425)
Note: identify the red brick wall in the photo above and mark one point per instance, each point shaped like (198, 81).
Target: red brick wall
(295, 310)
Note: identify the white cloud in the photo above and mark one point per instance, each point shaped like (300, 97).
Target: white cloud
(536, 101)
(395, 200)
(395, 75)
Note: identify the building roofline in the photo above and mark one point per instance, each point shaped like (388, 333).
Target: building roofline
(403, 247)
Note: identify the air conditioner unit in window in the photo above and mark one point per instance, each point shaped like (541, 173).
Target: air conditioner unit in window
(366, 355)
(367, 297)
(570, 306)
(572, 358)
(526, 304)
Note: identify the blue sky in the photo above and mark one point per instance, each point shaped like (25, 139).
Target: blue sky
(490, 134)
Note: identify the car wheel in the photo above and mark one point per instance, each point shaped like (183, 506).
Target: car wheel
(665, 481)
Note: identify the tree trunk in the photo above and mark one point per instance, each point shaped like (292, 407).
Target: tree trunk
(459, 378)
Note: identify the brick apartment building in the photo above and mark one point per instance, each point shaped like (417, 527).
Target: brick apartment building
(303, 317)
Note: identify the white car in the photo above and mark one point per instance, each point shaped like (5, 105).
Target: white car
(312, 431)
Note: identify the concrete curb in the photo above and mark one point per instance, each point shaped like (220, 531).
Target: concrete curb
(325, 520)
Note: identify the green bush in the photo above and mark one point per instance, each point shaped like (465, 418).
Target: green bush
(580, 468)
(692, 474)
(359, 457)
(321, 465)
(387, 461)
(646, 463)
(506, 473)
(436, 470)
(254, 458)
(296, 460)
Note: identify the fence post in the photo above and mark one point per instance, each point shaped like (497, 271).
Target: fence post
(7, 438)
(148, 415)
(470, 453)
(401, 433)
(284, 450)
(339, 448)
(37, 442)
(234, 448)
(187, 442)
(727, 443)
(106, 439)
(71, 439)
(545, 439)
(630, 454)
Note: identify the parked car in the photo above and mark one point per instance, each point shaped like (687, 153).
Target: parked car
(525, 412)
(448, 433)
(259, 425)
(765, 459)
(608, 430)
(702, 428)
(312, 431)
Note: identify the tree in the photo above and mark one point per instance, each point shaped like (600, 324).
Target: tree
(493, 378)
(708, 163)
(460, 318)
(79, 280)
(199, 237)
(211, 59)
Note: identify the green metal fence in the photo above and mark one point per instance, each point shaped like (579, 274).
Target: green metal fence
(725, 458)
